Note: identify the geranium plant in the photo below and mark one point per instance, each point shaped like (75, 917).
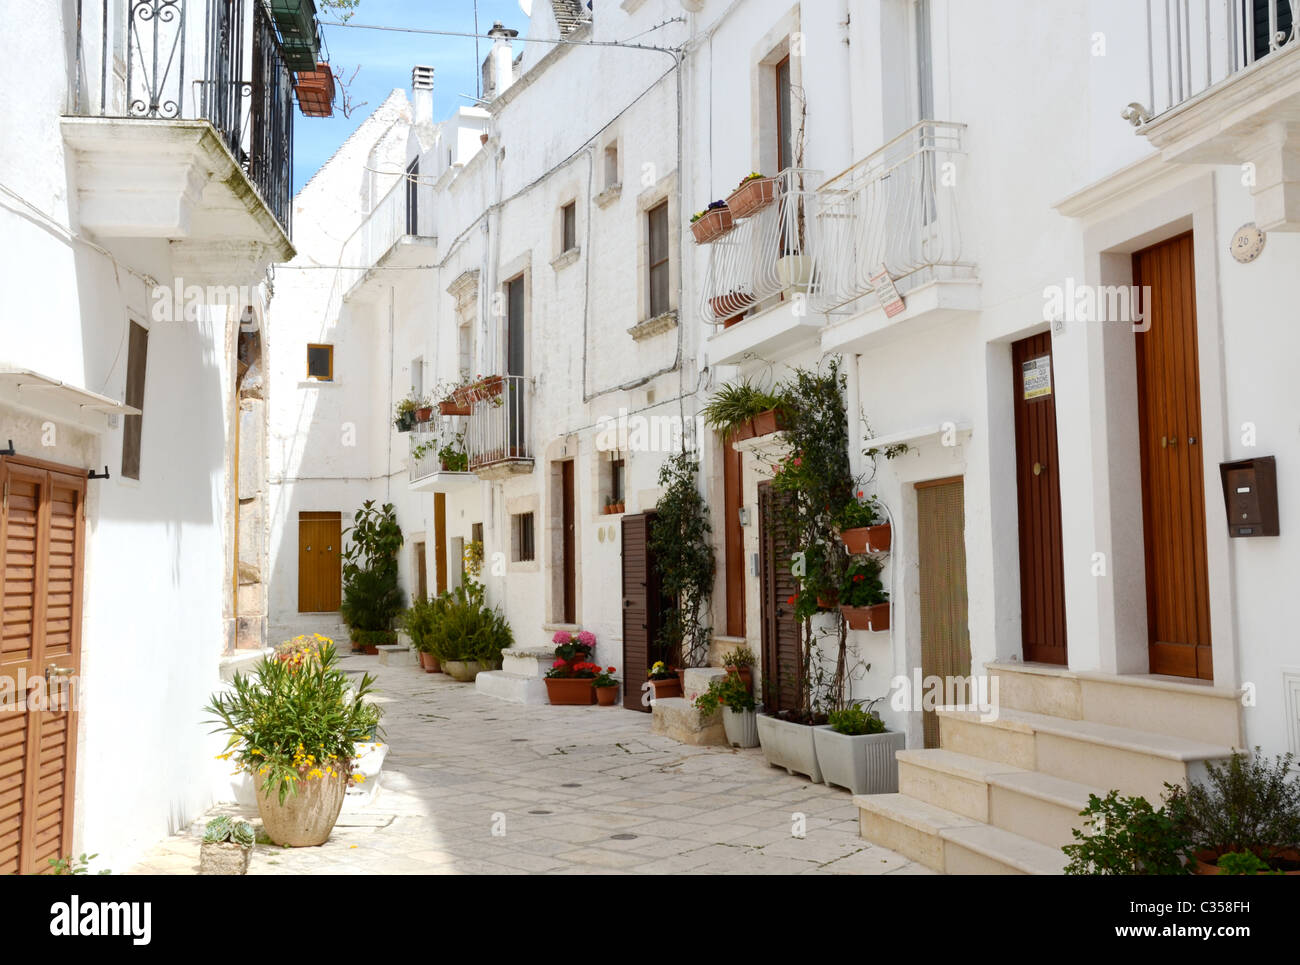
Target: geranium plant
(606, 678)
(862, 585)
(858, 513)
(729, 691)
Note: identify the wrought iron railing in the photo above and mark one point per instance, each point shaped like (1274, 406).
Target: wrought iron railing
(427, 441)
(214, 60)
(406, 210)
(1194, 44)
(765, 254)
(499, 427)
(895, 209)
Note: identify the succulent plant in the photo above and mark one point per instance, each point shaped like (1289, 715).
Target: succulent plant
(225, 828)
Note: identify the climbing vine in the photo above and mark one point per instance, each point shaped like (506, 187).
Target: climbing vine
(683, 553)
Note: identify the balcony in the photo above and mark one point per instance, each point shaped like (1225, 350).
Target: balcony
(397, 233)
(498, 432)
(888, 240)
(181, 128)
(428, 473)
(759, 276)
(1223, 87)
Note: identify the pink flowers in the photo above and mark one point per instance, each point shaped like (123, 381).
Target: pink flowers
(587, 639)
(561, 637)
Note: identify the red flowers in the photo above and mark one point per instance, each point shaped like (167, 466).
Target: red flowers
(857, 578)
(794, 599)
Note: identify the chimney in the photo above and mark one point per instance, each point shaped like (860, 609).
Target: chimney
(422, 94)
(498, 67)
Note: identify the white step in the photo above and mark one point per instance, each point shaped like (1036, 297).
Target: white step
(398, 655)
(517, 688)
(949, 842)
(1100, 755)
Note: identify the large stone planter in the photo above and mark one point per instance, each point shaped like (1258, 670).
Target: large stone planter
(789, 745)
(741, 727)
(306, 818)
(223, 858)
(463, 670)
(863, 763)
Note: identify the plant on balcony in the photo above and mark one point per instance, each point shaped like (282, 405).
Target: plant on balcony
(730, 307)
(683, 553)
(863, 600)
(754, 193)
(733, 409)
(711, 223)
(405, 419)
(859, 521)
(315, 91)
(372, 597)
(452, 456)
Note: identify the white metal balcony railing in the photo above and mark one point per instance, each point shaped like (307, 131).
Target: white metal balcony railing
(1194, 44)
(896, 208)
(428, 439)
(405, 211)
(765, 254)
(499, 427)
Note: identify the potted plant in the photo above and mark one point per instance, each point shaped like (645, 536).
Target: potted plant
(1245, 804)
(788, 741)
(737, 703)
(863, 599)
(856, 751)
(733, 408)
(741, 663)
(294, 728)
(418, 621)
(452, 456)
(227, 847)
(486, 387)
(606, 687)
(423, 410)
(372, 598)
(571, 683)
(405, 414)
(856, 521)
(619, 507)
(682, 550)
(1126, 836)
(452, 398)
(664, 681)
(466, 635)
(711, 223)
(574, 647)
(754, 193)
(730, 307)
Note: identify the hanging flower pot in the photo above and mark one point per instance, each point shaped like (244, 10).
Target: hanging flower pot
(487, 388)
(753, 195)
(315, 91)
(855, 540)
(712, 224)
(423, 414)
(453, 407)
(742, 431)
(874, 617)
(766, 423)
(731, 307)
(879, 538)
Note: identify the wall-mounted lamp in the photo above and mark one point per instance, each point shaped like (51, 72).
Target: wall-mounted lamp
(743, 512)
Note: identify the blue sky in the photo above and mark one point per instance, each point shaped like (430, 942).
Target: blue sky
(386, 59)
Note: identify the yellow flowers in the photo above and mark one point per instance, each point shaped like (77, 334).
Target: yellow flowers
(359, 778)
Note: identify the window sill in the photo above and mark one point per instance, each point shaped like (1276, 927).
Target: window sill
(316, 383)
(566, 258)
(654, 326)
(609, 195)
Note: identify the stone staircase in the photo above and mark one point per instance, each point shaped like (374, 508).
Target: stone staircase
(522, 677)
(1002, 796)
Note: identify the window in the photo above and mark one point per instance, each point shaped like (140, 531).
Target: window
(616, 474)
(657, 218)
(569, 226)
(521, 537)
(611, 166)
(784, 132)
(465, 349)
(413, 198)
(136, 353)
(320, 362)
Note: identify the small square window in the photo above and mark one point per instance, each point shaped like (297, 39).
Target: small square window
(611, 166)
(657, 223)
(569, 227)
(616, 475)
(320, 362)
(521, 538)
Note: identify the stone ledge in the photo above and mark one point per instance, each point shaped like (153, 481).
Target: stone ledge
(654, 326)
(565, 258)
(678, 718)
(610, 194)
(515, 688)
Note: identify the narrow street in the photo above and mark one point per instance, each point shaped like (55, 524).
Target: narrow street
(581, 789)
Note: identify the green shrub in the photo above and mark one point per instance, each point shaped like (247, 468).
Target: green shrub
(1244, 804)
(729, 691)
(1126, 836)
(735, 402)
(1241, 863)
(418, 619)
(463, 627)
(372, 597)
(854, 721)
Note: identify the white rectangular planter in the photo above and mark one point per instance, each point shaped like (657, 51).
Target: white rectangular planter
(741, 727)
(789, 745)
(863, 763)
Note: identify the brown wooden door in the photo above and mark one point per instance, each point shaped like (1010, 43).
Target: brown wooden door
(781, 637)
(643, 609)
(1038, 493)
(320, 566)
(941, 580)
(733, 539)
(568, 521)
(439, 543)
(1173, 488)
(42, 552)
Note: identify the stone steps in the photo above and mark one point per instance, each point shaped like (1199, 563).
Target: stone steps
(517, 688)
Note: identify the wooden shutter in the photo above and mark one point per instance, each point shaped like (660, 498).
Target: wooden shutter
(42, 548)
(133, 425)
(782, 635)
(636, 608)
(733, 538)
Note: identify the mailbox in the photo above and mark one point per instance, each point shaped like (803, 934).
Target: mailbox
(1250, 496)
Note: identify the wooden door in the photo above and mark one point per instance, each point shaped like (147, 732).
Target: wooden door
(1173, 487)
(568, 520)
(782, 657)
(733, 539)
(418, 557)
(941, 580)
(643, 609)
(320, 565)
(42, 552)
(1038, 496)
(439, 543)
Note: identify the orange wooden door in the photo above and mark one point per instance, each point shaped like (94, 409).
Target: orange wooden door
(1038, 496)
(42, 549)
(941, 587)
(320, 566)
(733, 538)
(1173, 487)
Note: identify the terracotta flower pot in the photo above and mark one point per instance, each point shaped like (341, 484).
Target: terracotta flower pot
(430, 663)
(668, 687)
(715, 223)
(453, 407)
(730, 309)
(607, 696)
(746, 675)
(488, 388)
(765, 423)
(570, 691)
(855, 540)
(752, 196)
(742, 431)
(880, 537)
(1207, 862)
(371, 650)
(306, 818)
(424, 413)
(875, 617)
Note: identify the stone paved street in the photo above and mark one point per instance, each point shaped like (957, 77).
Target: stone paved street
(580, 790)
